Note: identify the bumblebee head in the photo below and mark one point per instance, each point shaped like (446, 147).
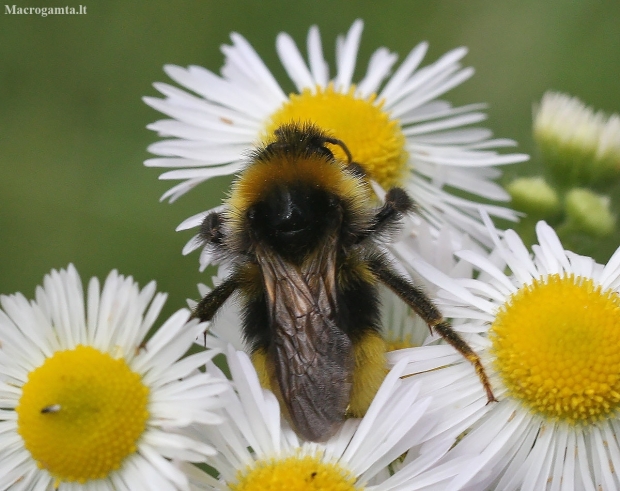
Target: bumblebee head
(294, 193)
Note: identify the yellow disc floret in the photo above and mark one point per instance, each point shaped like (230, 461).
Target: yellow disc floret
(295, 473)
(81, 414)
(557, 348)
(375, 141)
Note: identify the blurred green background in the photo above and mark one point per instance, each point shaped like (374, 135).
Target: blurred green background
(72, 123)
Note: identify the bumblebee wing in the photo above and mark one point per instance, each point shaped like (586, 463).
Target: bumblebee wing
(313, 358)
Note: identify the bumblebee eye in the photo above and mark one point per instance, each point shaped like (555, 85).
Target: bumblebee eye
(251, 214)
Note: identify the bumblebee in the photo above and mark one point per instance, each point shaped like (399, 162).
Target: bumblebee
(304, 240)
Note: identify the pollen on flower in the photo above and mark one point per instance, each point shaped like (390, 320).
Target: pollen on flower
(81, 414)
(376, 142)
(295, 473)
(557, 348)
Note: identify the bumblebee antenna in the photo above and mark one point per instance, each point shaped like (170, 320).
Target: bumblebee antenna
(340, 143)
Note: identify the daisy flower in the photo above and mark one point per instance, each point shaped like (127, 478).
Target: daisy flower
(258, 451)
(548, 334)
(394, 126)
(86, 401)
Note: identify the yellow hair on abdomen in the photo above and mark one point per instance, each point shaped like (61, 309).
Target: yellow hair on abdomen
(354, 270)
(370, 371)
(259, 360)
(368, 375)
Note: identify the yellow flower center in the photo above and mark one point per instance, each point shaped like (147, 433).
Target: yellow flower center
(375, 141)
(557, 348)
(295, 473)
(81, 414)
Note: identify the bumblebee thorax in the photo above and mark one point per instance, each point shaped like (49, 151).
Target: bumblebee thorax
(292, 219)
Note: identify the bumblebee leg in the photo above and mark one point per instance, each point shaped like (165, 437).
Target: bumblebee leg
(452, 337)
(424, 307)
(397, 203)
(210, 304)
(211, 229)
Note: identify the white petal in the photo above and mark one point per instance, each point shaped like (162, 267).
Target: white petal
(452, 286)
(504, 284)
(247, 57)
(207, 131)
(217, 89)
(191, 245)
(408, 66)
(539, 461)
(347, 56)
(436, 110)
(293, 62)
(443, 67)
(525, 270)
(379, 67)
(318, 65)
(443, 124)
(179, 190)
(551, 250)
(611, 272)
(466, 137)
(209, 153)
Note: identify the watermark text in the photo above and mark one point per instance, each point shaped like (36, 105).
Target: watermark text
(44, 11)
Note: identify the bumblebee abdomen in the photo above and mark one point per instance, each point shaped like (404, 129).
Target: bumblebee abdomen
(370, 370)
(359, 315)
(359, 307)
(368, 373)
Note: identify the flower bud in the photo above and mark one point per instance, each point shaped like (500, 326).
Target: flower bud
(534, 196)
(589, 212)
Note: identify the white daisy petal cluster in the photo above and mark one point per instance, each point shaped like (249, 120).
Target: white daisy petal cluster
(87, 402)
(258, 450)
(395, 125)
(549, 336)
(580, 145)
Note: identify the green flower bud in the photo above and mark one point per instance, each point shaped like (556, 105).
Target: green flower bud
(534, 196)
(589, 213)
